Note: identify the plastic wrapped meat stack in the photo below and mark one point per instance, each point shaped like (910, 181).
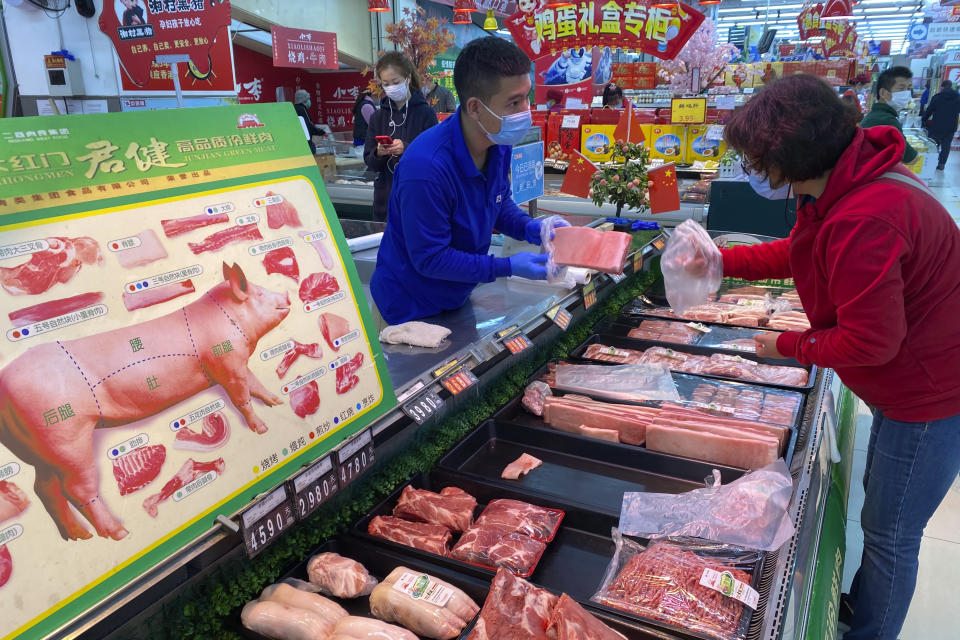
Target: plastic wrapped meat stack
(692, 266)
(529, 519)
(425, 604)
(496, 546)
(337, 576)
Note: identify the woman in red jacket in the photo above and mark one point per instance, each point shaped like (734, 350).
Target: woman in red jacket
(876, 262)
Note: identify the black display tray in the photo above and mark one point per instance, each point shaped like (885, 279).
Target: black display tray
(622, 342)
(584, 471)
(622, 325)
(644, 307)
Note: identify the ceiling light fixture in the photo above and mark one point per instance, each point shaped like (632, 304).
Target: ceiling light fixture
(378, 5)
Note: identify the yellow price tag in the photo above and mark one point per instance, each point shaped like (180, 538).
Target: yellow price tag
(688, 110)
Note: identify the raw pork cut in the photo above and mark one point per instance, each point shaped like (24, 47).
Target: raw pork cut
(514, 609)
(13, 501)
(46, 268)
(279, 621)
(311, 350)
(346, 374)
(521, 466)
(150, 250)
(457, 602)
(665, 331)
(455, 512)
(570, 621)
(149, 297)
(585, 247)
(495, 546)
(220, 239)
(534, 396)
(53, 308)
(190, 471)
(6, 564)
(282, 213)
(419, 535)
(318, 285)
(571, 414)
(305, 400)
(325, 258)
(138, 468)
(292, 597)
(332, 327)
(214, 434)
(176, 226)
(704, 444)
(339, 576)
(663, 583)
(357, 628)
(282, 261)
(529, 519)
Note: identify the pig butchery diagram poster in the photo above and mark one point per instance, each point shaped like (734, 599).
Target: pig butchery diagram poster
(183, 328)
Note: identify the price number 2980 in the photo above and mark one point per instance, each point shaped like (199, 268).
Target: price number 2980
(313, 497)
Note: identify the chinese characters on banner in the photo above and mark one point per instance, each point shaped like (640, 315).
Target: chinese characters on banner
(259, 81)
(335, 94)
(218, 79)
(304, 49)
(631, 25)
(808, 22)
(143, 29)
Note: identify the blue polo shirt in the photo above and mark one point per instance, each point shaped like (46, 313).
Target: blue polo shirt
(441, 215)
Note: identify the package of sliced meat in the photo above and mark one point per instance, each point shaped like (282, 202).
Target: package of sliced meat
(632, 382)
(337, 576)
(750, 512)
(514, 609)
(684, 583)
(692, 266)
(452, 508)
(540, 523)
(491, 547)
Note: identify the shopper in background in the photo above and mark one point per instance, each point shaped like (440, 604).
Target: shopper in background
(403, 115)
(924, 98)
(893, 95)
(438, 96)
(875, 259)
(453, 187)
(363, 109)
(301, 104)
(554, 100)
(940, 119)
(613, 97)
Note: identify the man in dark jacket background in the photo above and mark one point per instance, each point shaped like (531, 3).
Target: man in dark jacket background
(940, 119)
(894, 92)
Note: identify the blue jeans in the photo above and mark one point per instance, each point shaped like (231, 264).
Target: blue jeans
(910, 468)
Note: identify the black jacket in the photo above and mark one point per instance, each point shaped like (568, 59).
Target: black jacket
(359, 122)
(312, 129)
(415, 118)
(940, 118)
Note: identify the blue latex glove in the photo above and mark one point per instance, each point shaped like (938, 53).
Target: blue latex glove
(529, 265)
(532, 232)
(643, 224)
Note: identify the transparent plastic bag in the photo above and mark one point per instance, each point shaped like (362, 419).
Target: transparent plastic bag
(633, 382)
(555, 273)
(664, 582)
(692, 267)
(751, 511)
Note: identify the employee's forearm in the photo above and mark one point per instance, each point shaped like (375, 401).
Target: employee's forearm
(459, 266)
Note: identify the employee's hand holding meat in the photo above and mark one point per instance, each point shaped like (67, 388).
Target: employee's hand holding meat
(876, 262)
(533, 233)
(452, 188)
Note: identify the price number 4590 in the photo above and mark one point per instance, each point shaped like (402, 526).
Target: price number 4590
(266, 531)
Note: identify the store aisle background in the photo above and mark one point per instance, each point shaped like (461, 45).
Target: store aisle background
(934, 614)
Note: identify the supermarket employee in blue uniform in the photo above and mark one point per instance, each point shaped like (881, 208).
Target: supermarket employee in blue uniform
(451, 189)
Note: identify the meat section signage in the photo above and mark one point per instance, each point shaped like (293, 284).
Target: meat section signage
(303, 48)
(181, 333)
(141, 30)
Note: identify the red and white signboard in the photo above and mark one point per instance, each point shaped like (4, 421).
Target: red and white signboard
(143, 29)
(335, 94)
(259, 81)
(304, 49)
(216, 80)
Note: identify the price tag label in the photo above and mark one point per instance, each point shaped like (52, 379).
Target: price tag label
(715, 132)
(314, 486)
(570, 122)
(560, 316)
(617, 277)
(589, 295)
(459, 381)
(263, 523)
(517, 343)
(659, 244)
(688, 110)
(726, 103)
(355, 457)
(422, 409)
(638, 262)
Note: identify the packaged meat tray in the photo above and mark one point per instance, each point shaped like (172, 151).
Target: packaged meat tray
(701, 361)
(738, 339)
(695, 588)
(586, 472)
(497, 546)
(539, 523)
(743, 311)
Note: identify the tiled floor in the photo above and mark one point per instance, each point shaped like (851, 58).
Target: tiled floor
(934, 612)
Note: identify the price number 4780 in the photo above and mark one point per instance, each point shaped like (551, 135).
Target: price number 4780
(356, 464)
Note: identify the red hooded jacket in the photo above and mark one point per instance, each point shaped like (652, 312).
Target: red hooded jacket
(876, 264)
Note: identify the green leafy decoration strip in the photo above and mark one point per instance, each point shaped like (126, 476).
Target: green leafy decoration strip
(210, 608)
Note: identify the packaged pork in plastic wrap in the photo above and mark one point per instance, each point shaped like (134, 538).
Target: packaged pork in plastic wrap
(692, 266)
(689, 584)
(624, 382)
(751, 511)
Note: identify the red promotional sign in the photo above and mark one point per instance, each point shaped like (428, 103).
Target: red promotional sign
(163, 27)
(304, 49)
(217, 79)
(258, 80)
(808, 21)
(575, 73)
(336, 93)
(627, 24)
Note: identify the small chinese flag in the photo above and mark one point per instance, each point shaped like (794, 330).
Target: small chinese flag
(628, 129)
(579, 173)
(662, 185)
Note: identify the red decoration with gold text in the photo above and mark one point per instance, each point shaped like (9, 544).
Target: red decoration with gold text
(660, 31)
(143, 29)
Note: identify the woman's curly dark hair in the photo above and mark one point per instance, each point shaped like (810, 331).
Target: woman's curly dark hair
(796, 126)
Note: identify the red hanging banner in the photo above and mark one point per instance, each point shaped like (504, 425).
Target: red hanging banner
(627, 24)
(304, 49)
(163, 27)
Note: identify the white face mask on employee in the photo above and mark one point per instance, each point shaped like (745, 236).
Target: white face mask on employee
(900, 99)
(398, 92)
